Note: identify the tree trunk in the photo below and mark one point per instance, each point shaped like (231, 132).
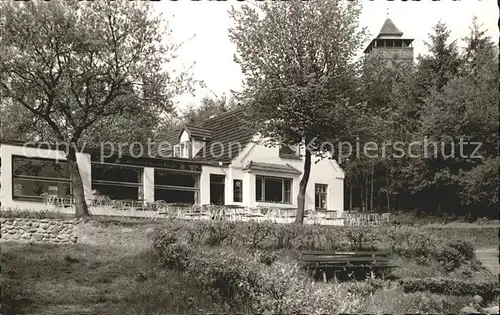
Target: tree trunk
(371, 189)
(81, 209)
(350, 198)
(387, 189)
(301, 198)
(366, 193)
(362, 195)
(438, 209)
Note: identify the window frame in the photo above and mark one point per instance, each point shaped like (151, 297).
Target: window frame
(139, 185)
(177, 150)
(182, 149)
(186, 149)
(241, 190)
(56, 180)
(285, 193)
(195, 189)
(321, 191)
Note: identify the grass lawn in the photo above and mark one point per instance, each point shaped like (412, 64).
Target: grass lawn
(71, 279)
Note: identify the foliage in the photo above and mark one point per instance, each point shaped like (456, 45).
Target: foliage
(455, 254)
(27, 214)
(450, 258)
(411, 241)
(367, 287)
(238, 279)
(464, 248)
(361, 238)
(116, 275)
(488, 290)
(90, 63)
(175, 256)
(393, 301)
(208, 107)
(217, 234)
(86, 65)
(447, 103)
(268, 258)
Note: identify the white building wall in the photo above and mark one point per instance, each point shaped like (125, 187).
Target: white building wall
(205, 182)
(148, 184)
(325, 171)
(184, 137)
(196, 146)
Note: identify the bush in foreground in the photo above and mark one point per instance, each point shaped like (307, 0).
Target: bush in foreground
(242, 282)
(455, 254)
(488, 290)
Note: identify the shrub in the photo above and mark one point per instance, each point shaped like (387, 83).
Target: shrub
(411, 241)
(284, 288)
(224, 275)
(239, 280)
(253, 233)
(165, 237)
(422, 261)
(267, 258)
(367, 287)
(465, 248)
(284, 234)
(175, 256)
(393, 301)
(217, 234)
(450, 258)
(420, 244)
(455, 254)
(30, 214)
(361, 237)
(307, 236)
(488, 290)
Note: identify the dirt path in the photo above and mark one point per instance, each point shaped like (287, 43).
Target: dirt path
(489, 258)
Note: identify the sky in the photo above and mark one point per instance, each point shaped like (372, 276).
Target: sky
(202, 27)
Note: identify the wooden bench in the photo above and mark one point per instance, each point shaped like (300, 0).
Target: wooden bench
(345, 261)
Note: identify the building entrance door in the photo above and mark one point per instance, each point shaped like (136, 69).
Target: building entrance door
(217, 189)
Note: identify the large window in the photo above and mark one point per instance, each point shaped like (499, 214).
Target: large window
(117, 182)
(34, 177)
(320, 196)
(176, 187)
(273, 189)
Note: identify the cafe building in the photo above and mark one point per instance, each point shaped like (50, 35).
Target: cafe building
(220, 162)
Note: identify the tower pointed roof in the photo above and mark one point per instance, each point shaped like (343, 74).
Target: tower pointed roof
(389, 29)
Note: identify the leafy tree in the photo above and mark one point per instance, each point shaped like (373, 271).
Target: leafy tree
(455, 115)
(209, 106)
(478, 47)
(87, 63)
(441, 63)
(480, 187)
(451, 95)
(18, 123)
(301, 80)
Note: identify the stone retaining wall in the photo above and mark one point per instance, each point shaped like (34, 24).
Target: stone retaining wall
(56, 231)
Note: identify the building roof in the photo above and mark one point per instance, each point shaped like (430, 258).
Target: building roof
(199, 133)
(269, 167)
(226, 135)
(389, 29)
(231, 133)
